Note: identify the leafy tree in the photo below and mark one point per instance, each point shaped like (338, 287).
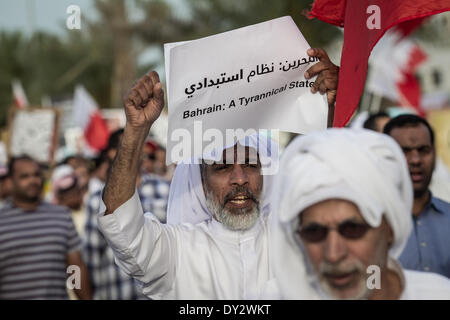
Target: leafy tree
(213, 16)
(102, 56)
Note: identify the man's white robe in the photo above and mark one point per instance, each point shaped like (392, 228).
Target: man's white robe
(187, 261)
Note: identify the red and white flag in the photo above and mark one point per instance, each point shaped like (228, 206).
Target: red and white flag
(360, 37)
(394, 61)
(20, 99)
(87, 116)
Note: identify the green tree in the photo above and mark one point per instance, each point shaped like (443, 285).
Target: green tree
(48, 65)
(213, 16)
(102, 55)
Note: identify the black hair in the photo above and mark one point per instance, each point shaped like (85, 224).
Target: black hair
(370, 123)
(408, 120)
(113, 143)
(114, 140)
(101, 158)
(66, 160)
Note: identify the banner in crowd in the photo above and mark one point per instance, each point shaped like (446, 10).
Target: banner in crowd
(33, 132)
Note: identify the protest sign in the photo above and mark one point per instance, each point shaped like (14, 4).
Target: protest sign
(248, 78)
(33, 132)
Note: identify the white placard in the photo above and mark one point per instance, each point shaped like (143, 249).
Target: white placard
(252, 77)
(33, 133)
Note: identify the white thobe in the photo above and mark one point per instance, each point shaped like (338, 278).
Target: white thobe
(419, 285)
(416, 285)
(202, 261)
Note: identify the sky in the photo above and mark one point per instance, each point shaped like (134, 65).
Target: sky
(28, 16)
(47, 15)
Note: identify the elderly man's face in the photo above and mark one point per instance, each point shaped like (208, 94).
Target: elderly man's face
(340, 257)
(233, 191)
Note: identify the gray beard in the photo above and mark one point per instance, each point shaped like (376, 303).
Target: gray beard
(240, 219)
(362, 291)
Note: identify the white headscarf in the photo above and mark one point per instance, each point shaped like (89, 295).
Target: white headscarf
(358, 165)
(63, 177)
(187, 202)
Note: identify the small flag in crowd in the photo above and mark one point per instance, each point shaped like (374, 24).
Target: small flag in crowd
(87, 116)
(394, 61)
(20, 99)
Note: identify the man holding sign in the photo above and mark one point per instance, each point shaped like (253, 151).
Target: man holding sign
(223, 257)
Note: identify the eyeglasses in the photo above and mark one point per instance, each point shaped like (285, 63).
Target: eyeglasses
(315, 232)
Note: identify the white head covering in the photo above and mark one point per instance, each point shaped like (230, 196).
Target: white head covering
(187, 202)
(358, 165)
(63, 177)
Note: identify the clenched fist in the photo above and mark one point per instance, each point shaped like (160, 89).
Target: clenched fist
(144, 101)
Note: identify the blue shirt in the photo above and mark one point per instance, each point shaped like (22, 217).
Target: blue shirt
(154, 194)
(428, 247)
(107, 280)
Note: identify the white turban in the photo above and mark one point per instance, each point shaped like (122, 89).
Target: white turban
(358, 165)
(187, 202)
(63, 177)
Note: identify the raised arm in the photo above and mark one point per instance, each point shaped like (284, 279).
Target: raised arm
(326, 81)
(143, 104)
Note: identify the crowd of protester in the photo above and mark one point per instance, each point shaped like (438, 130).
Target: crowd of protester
(127, 227)
(48, 216)
(71, 191)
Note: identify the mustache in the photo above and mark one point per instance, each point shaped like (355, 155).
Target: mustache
(340, 269)
(240, 190)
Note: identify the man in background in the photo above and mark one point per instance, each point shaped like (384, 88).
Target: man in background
(38, 241)
(376, 121)
(66, 191)
(427, 248)
(108, 281)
